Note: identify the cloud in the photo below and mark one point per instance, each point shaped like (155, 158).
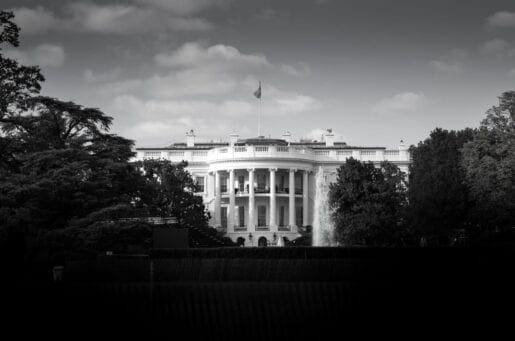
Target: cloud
(497, 48)
(156, 121)
(106, 19)
(446, 67)
(44, 55)
(206, 88)
(400, 103)
(501, 19)
(297, 104)
(218, 57)
(198, 70)
(451, 62)
(511, 73)
(36, 20)
(301, 71)
(317, 134)
(101, 77)
(185, 7)
(266, 14)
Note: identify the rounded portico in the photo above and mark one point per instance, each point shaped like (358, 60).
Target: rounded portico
(261, 190)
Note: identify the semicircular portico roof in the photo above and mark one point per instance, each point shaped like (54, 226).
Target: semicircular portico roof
(260, 140)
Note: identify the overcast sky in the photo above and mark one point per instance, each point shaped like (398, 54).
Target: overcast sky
(373, 71)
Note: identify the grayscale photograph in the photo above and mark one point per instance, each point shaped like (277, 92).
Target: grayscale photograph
(257, 170)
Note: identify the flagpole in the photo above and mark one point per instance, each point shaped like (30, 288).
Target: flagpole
(257, 94)
(259, 117)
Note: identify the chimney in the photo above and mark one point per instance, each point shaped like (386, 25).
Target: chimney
(287, 136)
(233, 138)
(190, 138)
(329, 138)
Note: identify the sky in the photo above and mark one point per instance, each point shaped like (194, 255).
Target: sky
(375, 72)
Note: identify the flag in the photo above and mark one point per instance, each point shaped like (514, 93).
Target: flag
(257, 93)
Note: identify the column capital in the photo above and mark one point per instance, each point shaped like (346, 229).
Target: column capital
(272, 169)
(251, 169)
(293, 170)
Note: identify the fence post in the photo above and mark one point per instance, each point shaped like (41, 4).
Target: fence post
(151, 284)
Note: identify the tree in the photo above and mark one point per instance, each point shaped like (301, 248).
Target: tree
(58, 163)
(170, 192)
(17, 82)
(439, 200)
(489, 163)
(368, 204)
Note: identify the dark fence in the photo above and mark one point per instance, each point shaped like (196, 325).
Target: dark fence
(275, 293)
(297, 264)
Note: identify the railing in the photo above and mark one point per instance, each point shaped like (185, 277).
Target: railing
(253, 152)
(280, 152)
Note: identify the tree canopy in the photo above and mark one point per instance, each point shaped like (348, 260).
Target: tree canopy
(368, 203)
(17, 82)
(439, 199)
(489, 163)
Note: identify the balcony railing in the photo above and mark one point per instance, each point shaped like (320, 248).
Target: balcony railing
(253, 152)
(280, 152)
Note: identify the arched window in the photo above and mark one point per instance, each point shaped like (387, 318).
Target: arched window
(262, 241)
(240, 241)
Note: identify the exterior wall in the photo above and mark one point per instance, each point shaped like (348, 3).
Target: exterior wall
(281, 158)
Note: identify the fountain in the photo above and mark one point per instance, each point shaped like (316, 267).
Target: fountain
(323, 227)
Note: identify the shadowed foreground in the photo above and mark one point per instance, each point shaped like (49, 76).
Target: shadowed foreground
(259, 294)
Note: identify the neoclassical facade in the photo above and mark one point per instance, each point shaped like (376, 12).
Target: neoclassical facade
(261, 190)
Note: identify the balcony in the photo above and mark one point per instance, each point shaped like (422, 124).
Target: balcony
(257, 152)
(281, 192)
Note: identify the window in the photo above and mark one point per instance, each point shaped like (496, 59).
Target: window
(262, 241)
(261, 215)
(281, 216)
(241, 215)
(261, 181)
(298, 215)
(223, 216)
(241, 183)
(298, 185)
(223, 184)
(200, 183)
(152, 154)
(282, 184)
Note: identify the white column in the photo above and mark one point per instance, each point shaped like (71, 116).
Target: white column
(218, 199)
(273, 224)
(305, 198)
(232, 202)
(252, 201)
(291, 220)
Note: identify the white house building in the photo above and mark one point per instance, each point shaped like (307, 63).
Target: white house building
(260, 190)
